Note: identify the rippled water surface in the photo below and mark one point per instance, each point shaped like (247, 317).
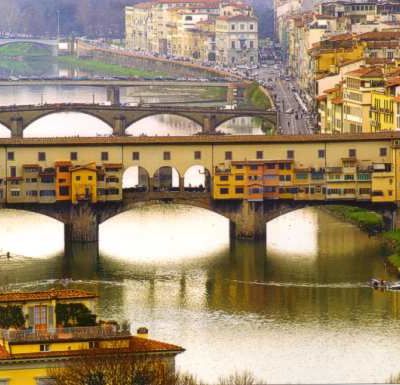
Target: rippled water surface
(294, 310)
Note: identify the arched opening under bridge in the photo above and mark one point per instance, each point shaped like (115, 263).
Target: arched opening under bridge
(29, 234)
(4, 131)
(197, 179)
(136, 179)
(67, 124)
(158, 233)
(166, 179)
(164, 125)
(244, 125)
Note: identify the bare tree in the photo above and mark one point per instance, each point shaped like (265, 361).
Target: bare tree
(244, 378)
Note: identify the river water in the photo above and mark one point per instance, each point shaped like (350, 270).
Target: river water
(294, 310)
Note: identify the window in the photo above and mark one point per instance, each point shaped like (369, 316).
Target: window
(348, 177)
(239, 190)
(101, 191)
(47, 193)
(383, 151)
(352, 153)
(251, 44)
(78, 177)
(90, 177)
(285, 178)
(112, 191)
(73, 155)
(13, 171)
(167, 155)
(223, 178)
(31, 193)
(232, 27)
(239, 177)
(10, 156)
(44, 347)
(224, 190)
(251, 26)
(365, 191)
(260, 154)
(228, 155)
(47, 178)
(64, 169)
(253, 167)
(31, 180)
(112, 179)
(270, 166)
(64, 191)
(41, 156)
(104, 155)
(15, 193)
(349, 191)
(197, 155)
(321, 154)
(239, 166)
(135, 155)
(290, 154)
(233, 44)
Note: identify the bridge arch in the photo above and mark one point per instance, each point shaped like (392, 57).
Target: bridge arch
(197, 178)
(61, 116)
(136, 179)
(166, 178)
(5, 131)
(130, 130)
(263, 120)
(45, 43)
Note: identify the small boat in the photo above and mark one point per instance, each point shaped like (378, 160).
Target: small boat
(384, 285)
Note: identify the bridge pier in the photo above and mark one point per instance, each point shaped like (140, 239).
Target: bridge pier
(119, 125)
(17, 127)
(113, 95)
(82, 225)
(209, 124)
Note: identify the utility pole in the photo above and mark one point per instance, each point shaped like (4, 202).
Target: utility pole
(58, 25)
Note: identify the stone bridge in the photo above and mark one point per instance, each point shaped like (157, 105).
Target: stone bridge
(17, 118)
(247, 219)
(48, 42)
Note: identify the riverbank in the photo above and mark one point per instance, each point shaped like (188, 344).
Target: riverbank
(255, 97)
(366, 220)
(392, 241)
(106, 68)
(23, 50)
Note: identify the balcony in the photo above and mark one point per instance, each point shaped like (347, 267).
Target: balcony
(73, 333)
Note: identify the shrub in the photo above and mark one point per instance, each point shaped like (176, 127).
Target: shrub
(74, 314)
(11, 316)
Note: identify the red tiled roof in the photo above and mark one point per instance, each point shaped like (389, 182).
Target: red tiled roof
(136, 345)
(367, 72)
(45, 295)
(30, 166)
(113, 165)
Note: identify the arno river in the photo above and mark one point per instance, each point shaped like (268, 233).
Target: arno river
(295, 309)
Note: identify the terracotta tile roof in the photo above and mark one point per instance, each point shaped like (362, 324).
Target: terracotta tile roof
(145, 5)
(395, 81)
(136, 345)
(237, 18)
(30, 166)
(337, 101)
(321, 97)
(45, 295)
(379, 35)
(63, 163)
(367, 72)
(84, 167)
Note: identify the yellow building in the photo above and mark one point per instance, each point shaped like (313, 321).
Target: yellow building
(357, 93)
(84, 183)
(29, 352)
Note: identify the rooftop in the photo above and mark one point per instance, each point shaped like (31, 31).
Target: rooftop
(45, 295)
(136, 345)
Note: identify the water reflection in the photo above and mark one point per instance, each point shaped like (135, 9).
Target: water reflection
(164, 125)
(237, 308)
(181, 234)
(62, 124)
(242, 126)
(34, 236)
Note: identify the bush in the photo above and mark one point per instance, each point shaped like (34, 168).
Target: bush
(367, 220)
(11, 316)
(74, 314)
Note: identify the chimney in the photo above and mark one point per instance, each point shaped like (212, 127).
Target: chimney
(142, 332)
